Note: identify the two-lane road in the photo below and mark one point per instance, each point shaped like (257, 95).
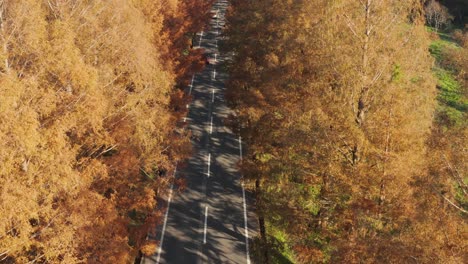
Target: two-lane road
(209, 221)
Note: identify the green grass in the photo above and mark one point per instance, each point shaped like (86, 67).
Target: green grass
(452, 103)
(450, 90)
(445, 41)
(278, 246)
(281, 250)
(437, 48)
(445, 35)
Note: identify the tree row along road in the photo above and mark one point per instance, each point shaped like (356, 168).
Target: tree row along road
(209, 221)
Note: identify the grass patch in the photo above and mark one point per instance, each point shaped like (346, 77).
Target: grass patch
(281, 252)
(450, 89)
(445, 41)
(445, 36)
(452, 103)
(437, 48)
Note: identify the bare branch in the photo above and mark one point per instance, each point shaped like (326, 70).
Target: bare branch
(456, 175)
(350, 25)
(453, 204)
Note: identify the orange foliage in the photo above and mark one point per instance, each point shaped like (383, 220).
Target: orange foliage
(336, 120)
(88, 122)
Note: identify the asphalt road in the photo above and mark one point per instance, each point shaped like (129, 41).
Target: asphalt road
(211, 220)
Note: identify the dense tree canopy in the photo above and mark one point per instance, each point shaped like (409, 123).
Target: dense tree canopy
(87, 123)
(337, 118)
(356, 135)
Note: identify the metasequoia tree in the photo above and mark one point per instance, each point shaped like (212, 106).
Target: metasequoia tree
(29, 198)
(87, 125)
(442, 191)
(439, 229)
(380, 106)
(336, 118)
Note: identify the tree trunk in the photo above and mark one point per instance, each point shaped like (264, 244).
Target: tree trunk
(261, 223)
(362, 104)
(3, 36)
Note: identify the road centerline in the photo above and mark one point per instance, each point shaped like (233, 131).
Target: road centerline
(188, 243)
(240, 147)
(209, 165)
(211, 125)
(206, 224)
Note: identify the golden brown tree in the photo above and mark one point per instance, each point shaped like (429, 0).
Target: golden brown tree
(87, 127)
(336, 119)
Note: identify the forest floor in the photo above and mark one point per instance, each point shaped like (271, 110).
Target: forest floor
(452, 98)
(452, 101)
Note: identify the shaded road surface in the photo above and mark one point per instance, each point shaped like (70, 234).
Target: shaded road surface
(208, 222)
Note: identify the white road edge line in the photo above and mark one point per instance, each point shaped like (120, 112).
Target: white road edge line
(206, 220)
(201, 37)
(212, 96)
(246, 228)
(165, 221)
(214, 74)
(191, 85)
(240, 147)
(215, 57)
